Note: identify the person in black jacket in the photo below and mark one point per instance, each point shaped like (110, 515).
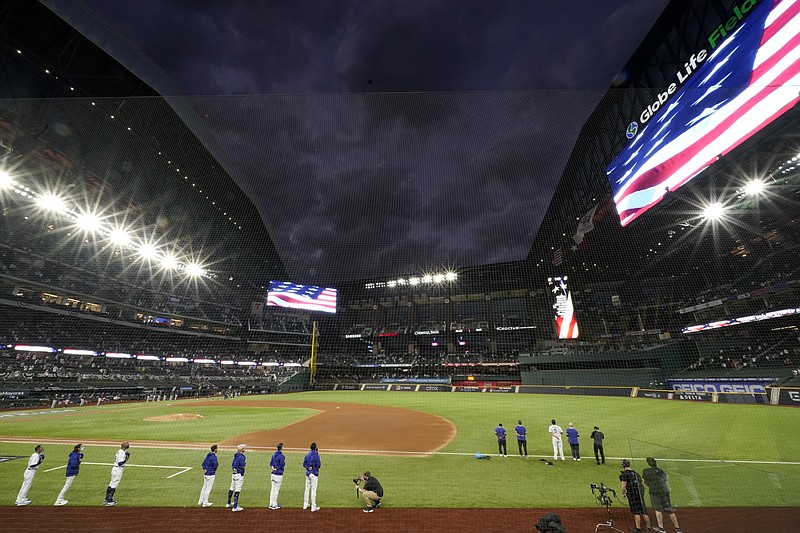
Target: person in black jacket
(371, 492)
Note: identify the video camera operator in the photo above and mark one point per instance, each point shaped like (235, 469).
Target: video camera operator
(371, 492)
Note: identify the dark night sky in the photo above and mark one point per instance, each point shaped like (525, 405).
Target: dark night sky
(381, 138)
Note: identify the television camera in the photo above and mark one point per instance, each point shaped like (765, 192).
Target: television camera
(601, 493)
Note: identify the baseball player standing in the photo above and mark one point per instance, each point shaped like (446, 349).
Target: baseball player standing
(558, 443)
(276, 465)
(312, 464)
(237, 478)
(500, 433)
(34, 461)
(120, 458)
(73, 466)
(522, 438)
(209, 466)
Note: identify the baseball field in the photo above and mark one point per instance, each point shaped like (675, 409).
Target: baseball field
(725, 462)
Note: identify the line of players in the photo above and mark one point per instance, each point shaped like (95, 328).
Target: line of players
(557, 438)
(311, 465)
(277, 464)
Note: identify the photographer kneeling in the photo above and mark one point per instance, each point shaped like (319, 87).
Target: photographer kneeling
(371, 492)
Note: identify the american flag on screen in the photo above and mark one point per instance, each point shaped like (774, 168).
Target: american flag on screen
(284, 294)
(566, 323)
(749, 80)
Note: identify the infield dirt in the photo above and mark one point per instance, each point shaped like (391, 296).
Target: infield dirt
(351, 428)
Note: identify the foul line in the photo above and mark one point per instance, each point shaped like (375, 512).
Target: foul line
(183, 469)
(190, 446)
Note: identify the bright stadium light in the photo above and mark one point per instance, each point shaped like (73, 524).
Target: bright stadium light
(427, 278)
(147, 251)
(169, 262)
(438, 278)
(88, 222)
(713, 211)
(120, 237)
(413, 281)
(195, 270)
(754, 187)
(451, 276)
(5, 180)
(51, 202)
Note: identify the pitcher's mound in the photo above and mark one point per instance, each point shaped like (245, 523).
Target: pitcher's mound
(172, 418)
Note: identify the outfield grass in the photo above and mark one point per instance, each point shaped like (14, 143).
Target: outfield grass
(690, 440)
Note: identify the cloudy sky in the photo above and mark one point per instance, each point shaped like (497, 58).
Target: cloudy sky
(381, 138)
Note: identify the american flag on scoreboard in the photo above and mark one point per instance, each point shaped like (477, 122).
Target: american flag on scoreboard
(749, 80)
(566, 323)
(284, 294)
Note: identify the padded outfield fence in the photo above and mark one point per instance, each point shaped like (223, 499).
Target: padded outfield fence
(699, 392)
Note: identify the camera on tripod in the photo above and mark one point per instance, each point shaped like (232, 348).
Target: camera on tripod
(601, 492)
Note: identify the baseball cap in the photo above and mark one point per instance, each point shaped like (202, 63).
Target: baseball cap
(241, 447)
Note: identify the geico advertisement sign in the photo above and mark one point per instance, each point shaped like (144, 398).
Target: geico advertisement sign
(750, 388)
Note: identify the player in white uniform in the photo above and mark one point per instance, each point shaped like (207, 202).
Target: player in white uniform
(558, 442)
(34, 461)
(120, 458)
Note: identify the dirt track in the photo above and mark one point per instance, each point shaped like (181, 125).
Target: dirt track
(130, 519)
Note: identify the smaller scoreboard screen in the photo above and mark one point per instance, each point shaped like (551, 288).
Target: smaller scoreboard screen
(566, 324)
(308, 297)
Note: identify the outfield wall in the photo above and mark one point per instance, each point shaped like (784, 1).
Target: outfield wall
(784, 396)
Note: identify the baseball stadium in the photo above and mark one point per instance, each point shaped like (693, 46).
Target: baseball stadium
(638, 367)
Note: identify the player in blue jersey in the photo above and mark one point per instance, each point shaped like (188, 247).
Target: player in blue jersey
(500, 433)
(34, 461)
(209, 466)
(574, 444)
(276, 465)
(522, 438)
(237, 477)
(311, 463)
(73, 466)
